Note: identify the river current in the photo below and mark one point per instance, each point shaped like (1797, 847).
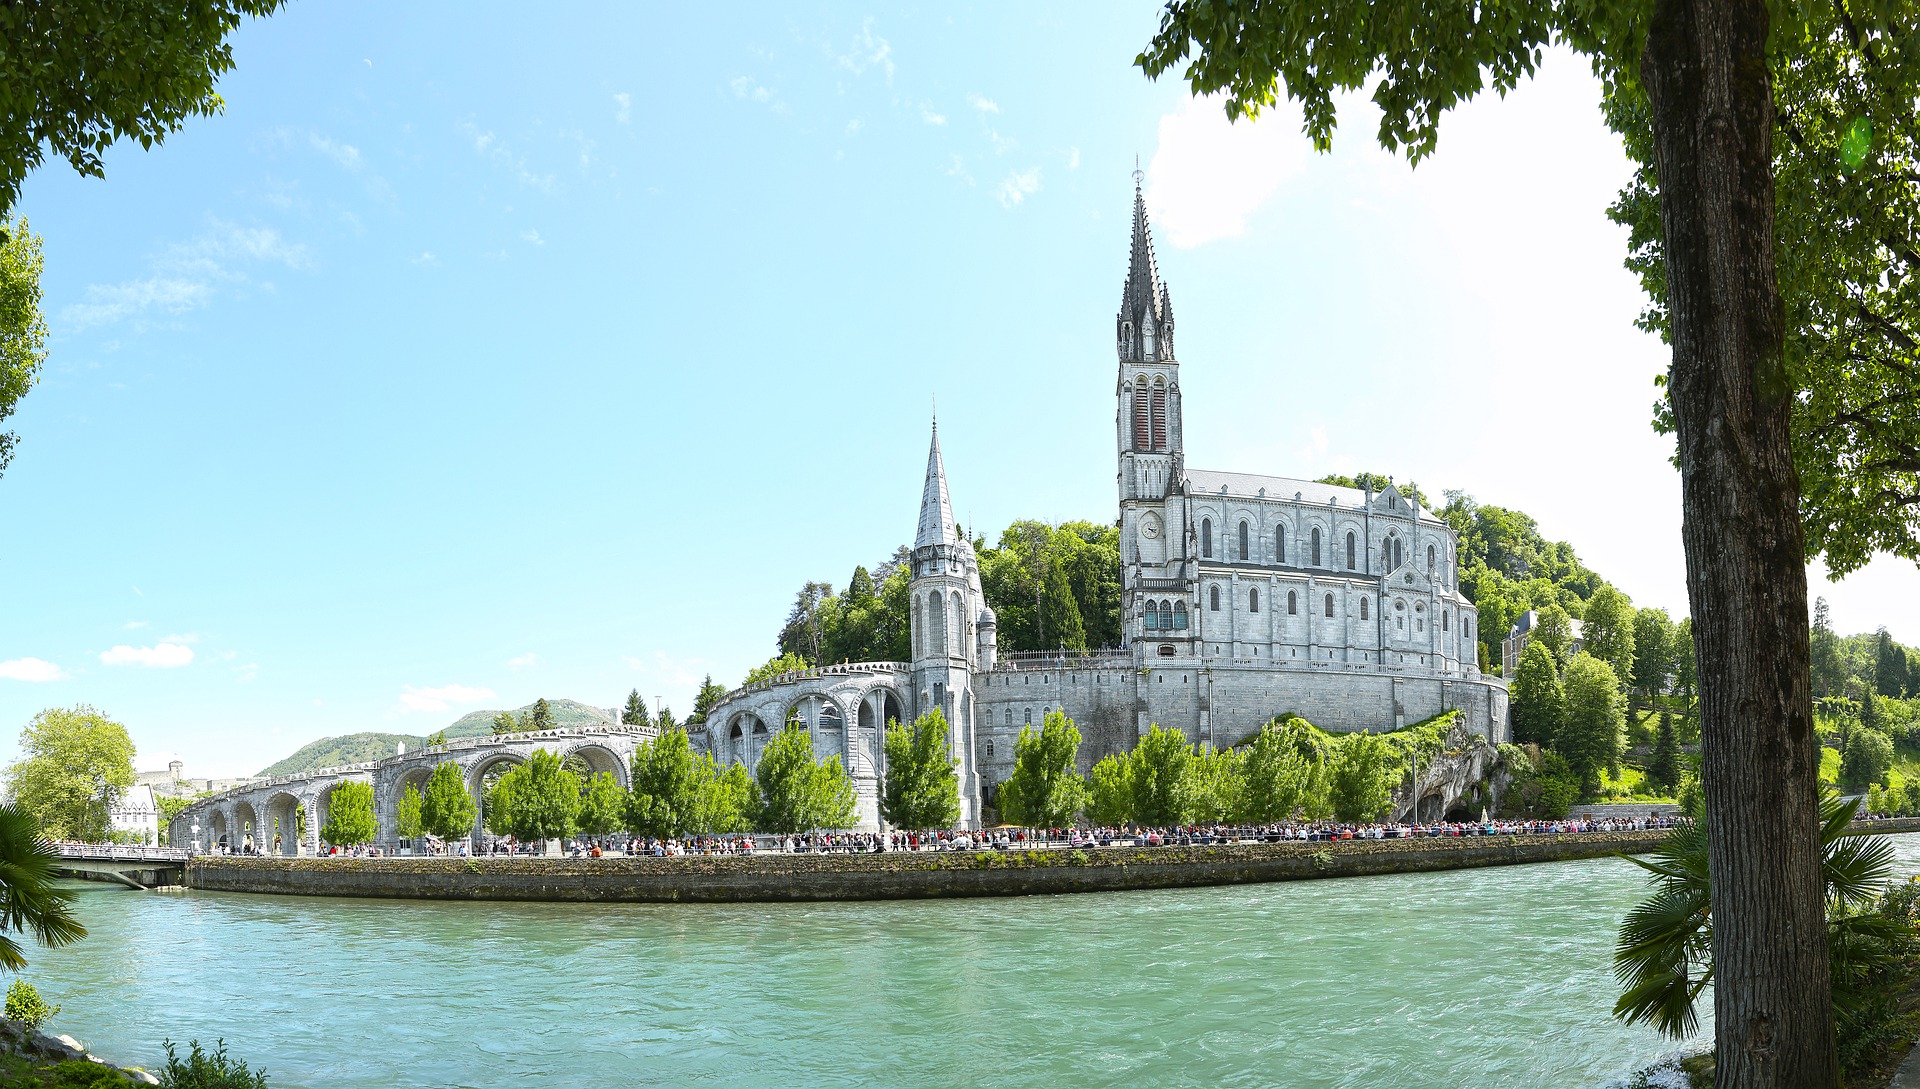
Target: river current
(1473, 978)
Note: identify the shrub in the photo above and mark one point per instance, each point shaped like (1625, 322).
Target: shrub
(24, 1004)
(209, 1070)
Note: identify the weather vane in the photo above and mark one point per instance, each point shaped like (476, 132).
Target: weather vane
(1137, 175)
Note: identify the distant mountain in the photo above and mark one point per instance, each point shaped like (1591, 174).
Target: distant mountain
(332, 752)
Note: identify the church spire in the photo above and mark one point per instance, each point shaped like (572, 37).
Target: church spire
(936, 510)
(1144, 326)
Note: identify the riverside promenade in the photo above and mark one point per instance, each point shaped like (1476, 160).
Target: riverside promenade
(774, 878)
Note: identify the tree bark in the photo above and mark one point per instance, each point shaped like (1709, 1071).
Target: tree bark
(1705, 72)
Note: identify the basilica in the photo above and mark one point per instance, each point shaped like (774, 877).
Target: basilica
(1244, 597)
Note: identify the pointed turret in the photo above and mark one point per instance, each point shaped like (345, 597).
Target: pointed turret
(1145, 322)
(936, 510)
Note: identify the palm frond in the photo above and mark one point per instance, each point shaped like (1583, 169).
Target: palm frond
(1661, 960)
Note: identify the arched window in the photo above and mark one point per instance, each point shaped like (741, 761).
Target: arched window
(1280, 544)
(1142, 428)
(1466, 628)
(1350, 563)
(1253, 601)
(1399, 556)
(1159, 414)
(936, 624)
(1316, 546)
(1029, 721)
(1213, 598)
(1329, 605)
(1293, 603)
(1446, 621)
(1009, 716)
(1363, 608)
(1206, 538)
(1180, 616)
(1153, 616)
(1430, 555)
(1244, 554)
(1386, 555)
(919, 628)
(1146, 339)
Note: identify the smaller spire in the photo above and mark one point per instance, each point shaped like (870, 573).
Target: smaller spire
(936, 509)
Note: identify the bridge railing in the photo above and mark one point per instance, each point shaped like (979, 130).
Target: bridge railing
(118, 852)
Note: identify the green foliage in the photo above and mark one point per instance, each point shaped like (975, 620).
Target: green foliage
(446, 809)
(1054, 586)
(1890, 666)
(921, 789)
(1868, 755)
(1215, 786)
(208, 1070)
(665, 800)
(1538, 705)
(1829, 675)
(540, 718)
(1554, 630)
(704, 699)
(73, 763)
(504, 723)
(635, 712)
(784, 662)
(1110, 791)
(1507, 567)
(1692, 797)
(726, 799)
(407, 813)
(1159, 777)
(350, 819)
(1607, 629)
(797, 793)
(1663, 771)
(336, 752)
(1362, 777)
(30, 902)
(538, 800)
(23, 327)
(1278, 772)
(24, 1004)
(1045, 790)
(1653, 633)
(1376, 483)
(603, 805)
(1590, 739)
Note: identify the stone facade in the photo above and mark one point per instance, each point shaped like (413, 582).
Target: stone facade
(1244, 597)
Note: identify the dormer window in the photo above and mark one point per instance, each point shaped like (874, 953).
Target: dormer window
(1146, 339)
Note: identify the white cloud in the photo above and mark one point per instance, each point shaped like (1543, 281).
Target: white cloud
(522, 662)
(1073, 158)
(869, 51)
(959, 170)
(186, 274)
(495, 150)
(853, 127)
(749, 89)
(983, 104)
(344, 154)
(158, 656)
(132, 624)
(188, 638)
(443, 698)
(928, 115)
(532, 236)
(1208, 174)
(31, 669)
(1017, 186)
(624, 114)
(426, 257)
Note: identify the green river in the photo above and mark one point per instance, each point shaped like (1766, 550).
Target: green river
(1465, 979)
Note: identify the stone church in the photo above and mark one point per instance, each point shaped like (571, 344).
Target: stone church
(1244, 597)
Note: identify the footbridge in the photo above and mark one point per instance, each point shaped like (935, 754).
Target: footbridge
(135, 867)
(283, 815)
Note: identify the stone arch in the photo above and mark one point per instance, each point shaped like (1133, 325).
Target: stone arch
(217, 830)
(246, 826)
(483, 774)
(825, 723)
(598, 758)
(282, 824)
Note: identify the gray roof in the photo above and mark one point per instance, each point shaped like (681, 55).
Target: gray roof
(1248, 485)
(936, 510)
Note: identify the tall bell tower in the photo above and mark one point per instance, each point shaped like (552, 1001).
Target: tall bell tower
(952, 627)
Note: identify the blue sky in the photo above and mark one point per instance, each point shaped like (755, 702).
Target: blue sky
(467, 359)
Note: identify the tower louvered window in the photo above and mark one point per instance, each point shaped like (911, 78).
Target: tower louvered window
(1159, 415)
(1142, 427)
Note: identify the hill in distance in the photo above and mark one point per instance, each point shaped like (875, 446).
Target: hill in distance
(332, 752)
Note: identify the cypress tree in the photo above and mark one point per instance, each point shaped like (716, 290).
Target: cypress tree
(635, 713)
(1663, 772)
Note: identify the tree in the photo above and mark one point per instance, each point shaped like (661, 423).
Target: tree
(1214, 787)
(1692, 87)
(350, 819)
(1607, 630)
(1554, 630)
(1362, 776)
(1870, 717)
(1663, 771)
(1868, 755)
(798, 794)
(703, 701)
(603, 807)
(774, 667)
(921, 789)
(1890, 666)
(74, 762)
(1538, 706)
(446, 809)
(539, 716)
(23, 328)
(1590, 738)
(726, 798)
(1277, 776)
(407, 813)
(1110, 791)
(505, 723)
(1686, 677)
(1045, 790)
(30, 900)
(79, 75)
(807, 622)
(1829, 673)
(1159, 777)
(666, 792)
(1652, 651)
(635, 712)
(540, 799)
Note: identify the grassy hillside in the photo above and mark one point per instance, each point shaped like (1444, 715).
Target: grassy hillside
(331, 752)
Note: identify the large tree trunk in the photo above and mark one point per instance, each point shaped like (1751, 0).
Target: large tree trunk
(1705, 71)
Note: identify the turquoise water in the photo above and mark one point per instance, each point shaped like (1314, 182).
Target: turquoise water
(1472, 978)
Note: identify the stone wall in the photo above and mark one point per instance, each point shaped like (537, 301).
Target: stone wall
(893, 876)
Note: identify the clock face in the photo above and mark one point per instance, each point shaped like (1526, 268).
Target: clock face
(1150, 526)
